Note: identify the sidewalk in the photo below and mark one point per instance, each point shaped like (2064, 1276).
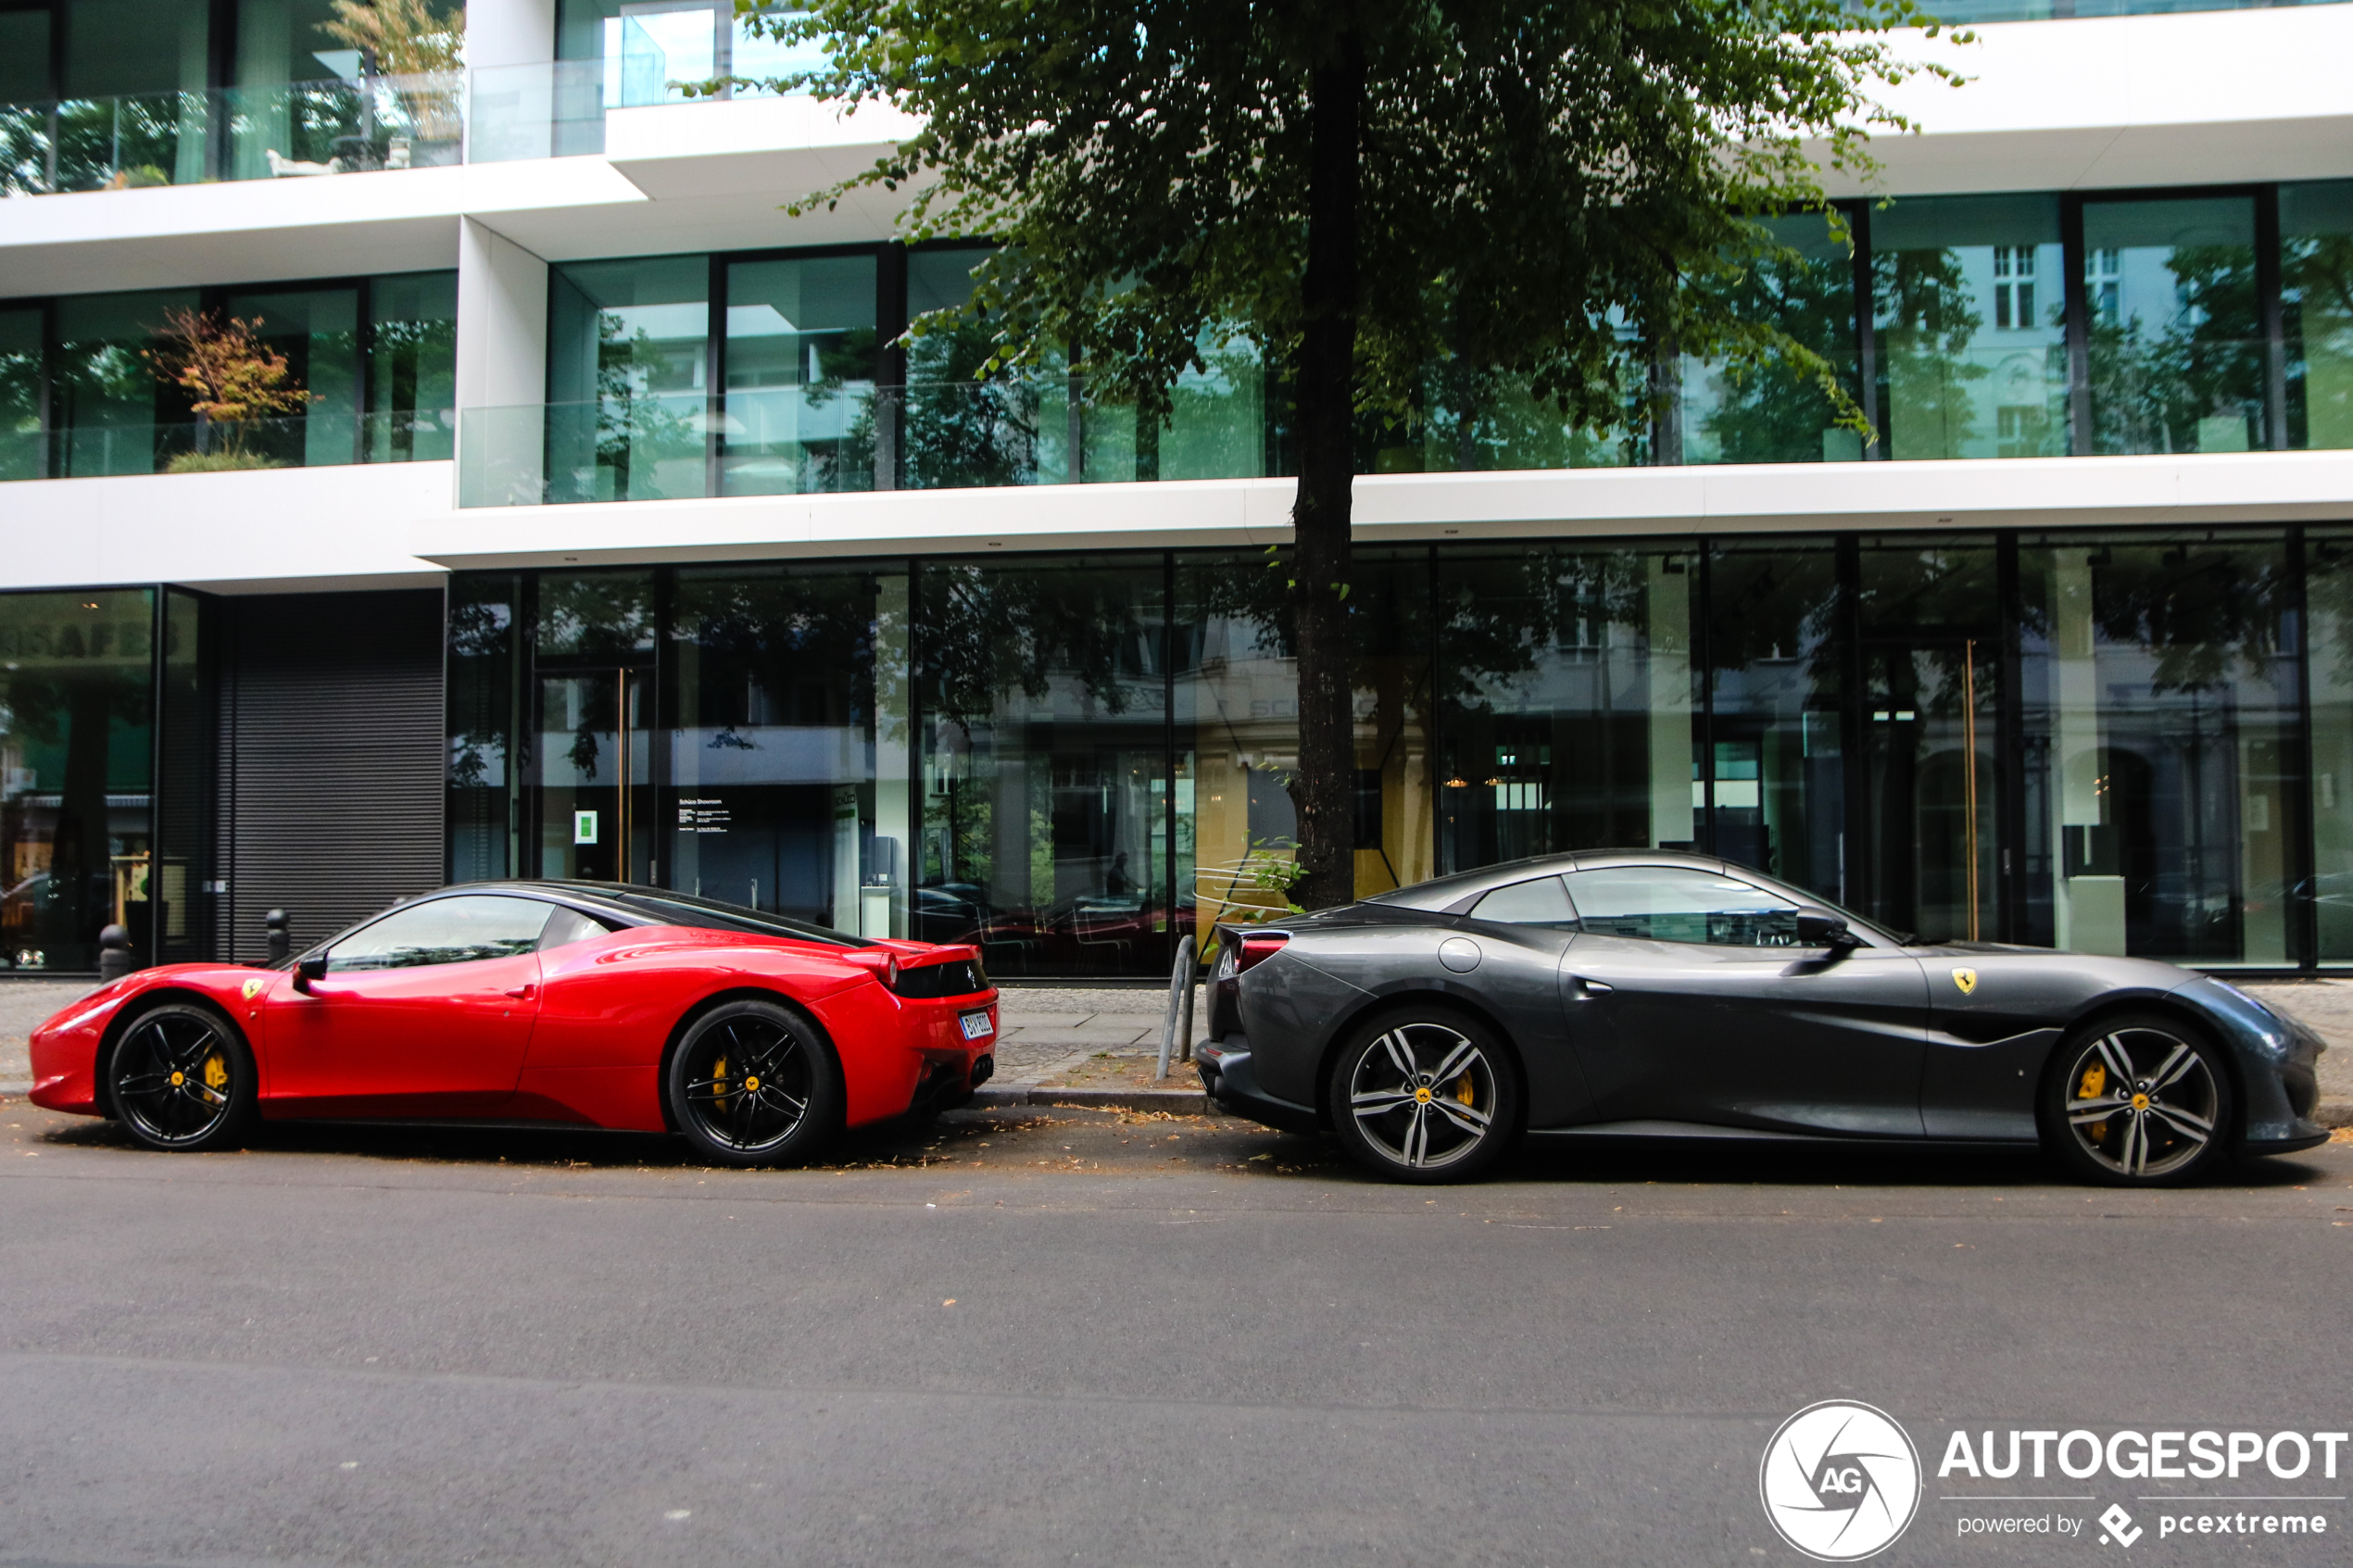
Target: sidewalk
(1064, 1046)
(25, 1005)
(2327, 1007)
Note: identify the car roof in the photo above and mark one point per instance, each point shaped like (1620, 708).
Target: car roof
(1447, 892)
(631, 904)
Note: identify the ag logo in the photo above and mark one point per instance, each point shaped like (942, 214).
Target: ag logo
(1966, 979)
(1840, 1481)
(253, 988)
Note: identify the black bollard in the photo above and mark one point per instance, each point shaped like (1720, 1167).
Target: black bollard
(274, 922)
(114, 954)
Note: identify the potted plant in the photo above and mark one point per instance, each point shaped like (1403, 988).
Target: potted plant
(231, 377)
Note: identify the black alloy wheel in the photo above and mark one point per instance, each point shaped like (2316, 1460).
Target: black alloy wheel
(1425, 1094)
(182, 1078)
(2138, 1101)
(754, 1083)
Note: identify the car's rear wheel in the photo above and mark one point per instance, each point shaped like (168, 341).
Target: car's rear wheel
(2138, 1101)
(754, 1083)
(1425, 1093)
(180, 1078)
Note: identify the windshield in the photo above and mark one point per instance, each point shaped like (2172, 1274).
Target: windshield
(709, 914)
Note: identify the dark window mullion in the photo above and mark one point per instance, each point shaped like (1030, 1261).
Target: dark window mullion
(2268, 284)
(2078, 341)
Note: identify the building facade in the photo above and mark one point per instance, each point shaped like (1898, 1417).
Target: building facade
(621, 534)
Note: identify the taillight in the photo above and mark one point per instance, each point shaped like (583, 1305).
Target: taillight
(884, 964)
(1258, 946)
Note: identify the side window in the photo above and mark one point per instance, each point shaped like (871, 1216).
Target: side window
(1541, 902)
(444, 931)
(567, 926)
(1679, 904)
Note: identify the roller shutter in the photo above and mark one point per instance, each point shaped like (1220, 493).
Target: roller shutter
(331, 758)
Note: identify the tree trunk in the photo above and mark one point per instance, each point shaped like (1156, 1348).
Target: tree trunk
(1324, 789)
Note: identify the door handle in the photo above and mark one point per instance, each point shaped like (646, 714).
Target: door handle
(1590, 987)
(521, 993)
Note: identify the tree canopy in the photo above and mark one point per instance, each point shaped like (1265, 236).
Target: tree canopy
(1364, 189)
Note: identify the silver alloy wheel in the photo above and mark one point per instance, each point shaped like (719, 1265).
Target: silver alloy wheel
(1424, 1095)
(2141, 1102)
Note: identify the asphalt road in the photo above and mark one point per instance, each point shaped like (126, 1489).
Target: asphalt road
(1093, 1340)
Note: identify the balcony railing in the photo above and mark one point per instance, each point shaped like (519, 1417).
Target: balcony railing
(495, 114)
(296, 130)
(831, 439)
(95, 449)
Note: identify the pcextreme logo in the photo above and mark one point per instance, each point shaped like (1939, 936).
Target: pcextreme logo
(1840, 1481)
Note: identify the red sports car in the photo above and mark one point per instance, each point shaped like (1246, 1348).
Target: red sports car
(755, 1037)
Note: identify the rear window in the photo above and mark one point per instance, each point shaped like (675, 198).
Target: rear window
(706, 915)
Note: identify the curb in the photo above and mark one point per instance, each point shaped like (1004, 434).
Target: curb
(1181, 1102)
(15, 1089)
(2334, 1113)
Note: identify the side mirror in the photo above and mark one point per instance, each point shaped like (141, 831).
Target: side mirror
(1819, 928)
(309, 971)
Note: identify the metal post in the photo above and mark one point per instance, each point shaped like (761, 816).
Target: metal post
(114, 955)
(1180, 1001)
(274, 922)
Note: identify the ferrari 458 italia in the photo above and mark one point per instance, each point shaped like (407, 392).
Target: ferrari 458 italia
(754, 1036)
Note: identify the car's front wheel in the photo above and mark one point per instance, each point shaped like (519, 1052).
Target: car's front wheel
(181, 1079)
(1425, 1094)
(753, 1084)
(2138, 1101)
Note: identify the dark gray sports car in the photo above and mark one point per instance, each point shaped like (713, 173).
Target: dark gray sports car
(1651, 994)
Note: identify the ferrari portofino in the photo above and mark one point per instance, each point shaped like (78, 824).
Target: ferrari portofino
(1644, 993)
(754, 1036)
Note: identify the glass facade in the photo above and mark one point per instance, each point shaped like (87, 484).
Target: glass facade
(2316, 290)
(798, 351)
(646, 48)
(628, 379)
(1971, 312)
(77, 755)
(79, 397)
(2093, 741)
(1769, 414)
(2176, 352)
(1963, 327)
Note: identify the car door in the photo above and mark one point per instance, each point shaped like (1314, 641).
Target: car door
(1520, 933)
(425, 1012)
(1689, 1001)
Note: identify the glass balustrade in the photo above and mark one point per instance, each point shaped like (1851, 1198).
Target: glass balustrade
(101, 450)
(836, 438)
(495, 114)
(295, 131)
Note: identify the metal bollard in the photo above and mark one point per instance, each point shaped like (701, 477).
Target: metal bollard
(114, 954)
(1180, 1000)
(274, 922)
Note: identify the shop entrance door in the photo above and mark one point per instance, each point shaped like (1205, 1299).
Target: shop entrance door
(595, 774)
(1928, 723)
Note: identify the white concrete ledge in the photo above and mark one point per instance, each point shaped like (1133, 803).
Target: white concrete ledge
(2029, 493)
(268, 530)
(2197, 98)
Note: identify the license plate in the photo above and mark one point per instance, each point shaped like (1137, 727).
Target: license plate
(977, 1026)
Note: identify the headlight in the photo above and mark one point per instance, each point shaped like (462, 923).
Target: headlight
(2255, 1002)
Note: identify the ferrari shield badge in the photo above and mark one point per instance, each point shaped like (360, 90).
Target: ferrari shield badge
(1966, 979)
(253, 988)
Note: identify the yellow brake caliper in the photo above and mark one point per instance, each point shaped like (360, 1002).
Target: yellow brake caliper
(718, 1082)
(216, 1074)
(2095, 1080)
(1463, 1090)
